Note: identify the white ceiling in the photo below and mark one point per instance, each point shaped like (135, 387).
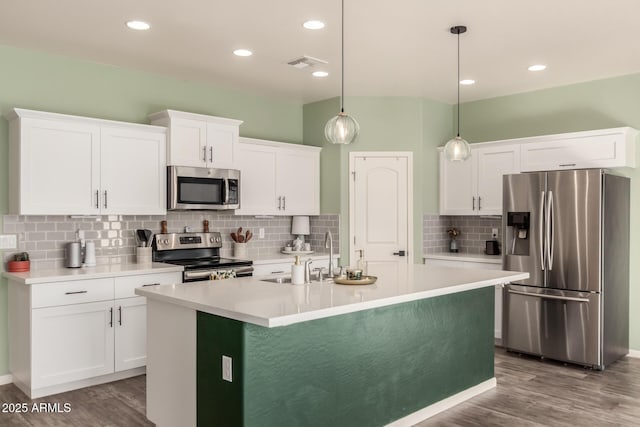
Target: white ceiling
(400, 48)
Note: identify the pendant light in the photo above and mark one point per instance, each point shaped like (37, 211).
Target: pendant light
(342, 129)
(457, 149)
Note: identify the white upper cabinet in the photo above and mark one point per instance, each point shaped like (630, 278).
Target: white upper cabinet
(606, 148)
(474, 187)
(198, 140)
(278, 178)
(69, 165)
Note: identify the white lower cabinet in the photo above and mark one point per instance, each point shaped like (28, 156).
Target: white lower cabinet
(476, 264)
(68, 335)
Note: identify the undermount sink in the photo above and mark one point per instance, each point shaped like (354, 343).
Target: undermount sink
(278, 280)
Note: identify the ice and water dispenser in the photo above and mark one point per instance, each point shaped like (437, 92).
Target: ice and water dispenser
(517, 234)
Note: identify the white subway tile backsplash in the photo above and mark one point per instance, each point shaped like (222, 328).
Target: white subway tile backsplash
(474, 232)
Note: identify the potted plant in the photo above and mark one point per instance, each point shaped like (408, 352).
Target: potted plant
(20, 263)
(453, 234)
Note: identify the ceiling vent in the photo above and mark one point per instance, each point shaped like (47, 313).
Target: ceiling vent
(306, 61)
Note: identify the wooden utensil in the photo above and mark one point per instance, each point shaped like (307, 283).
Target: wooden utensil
(205, 225)
(163, 227)
(240, 238)
(239, 232)
(248, 236)
(234, 237)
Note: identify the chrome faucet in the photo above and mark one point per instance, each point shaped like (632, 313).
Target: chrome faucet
(307, 271)
(328, 243)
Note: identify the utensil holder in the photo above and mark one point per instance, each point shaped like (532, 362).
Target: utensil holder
(143, 255)
(239, 250)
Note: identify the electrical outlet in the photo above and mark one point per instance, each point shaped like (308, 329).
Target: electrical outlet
(227, 368)
(261, 233)
(8, 241)
(494, 233)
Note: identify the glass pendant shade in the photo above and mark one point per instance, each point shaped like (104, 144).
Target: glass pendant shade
(457, 149)
(341, 129)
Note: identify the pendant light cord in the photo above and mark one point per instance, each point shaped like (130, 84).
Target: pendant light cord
(458, 83)
(342, 59)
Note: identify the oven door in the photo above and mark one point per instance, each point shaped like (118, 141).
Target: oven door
(217, 274)
(202, 189)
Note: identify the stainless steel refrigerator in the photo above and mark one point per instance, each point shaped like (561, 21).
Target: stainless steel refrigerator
(570, 231)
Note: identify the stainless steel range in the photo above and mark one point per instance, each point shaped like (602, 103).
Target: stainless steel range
(199, 254)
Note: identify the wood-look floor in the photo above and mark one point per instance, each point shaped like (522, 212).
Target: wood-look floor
(534, 392)
(530, 392)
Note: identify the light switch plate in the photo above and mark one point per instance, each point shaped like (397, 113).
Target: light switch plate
(8, 241)
(227, 368)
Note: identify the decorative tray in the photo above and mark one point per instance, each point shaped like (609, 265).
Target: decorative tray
(366, 280)
(297, 252)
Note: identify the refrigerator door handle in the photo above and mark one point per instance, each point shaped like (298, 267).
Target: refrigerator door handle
(529, 294)
(550, 231)
(540, 228)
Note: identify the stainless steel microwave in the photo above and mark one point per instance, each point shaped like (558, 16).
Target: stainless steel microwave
(191, 188)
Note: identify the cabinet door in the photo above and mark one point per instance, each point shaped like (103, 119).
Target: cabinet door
(130, 321)
(257, 180)
(298, 182)
(493, 163)
(458, 186)
(133, 167)
(59, 167)
(221, 151)
(71, 343)
(188, 143)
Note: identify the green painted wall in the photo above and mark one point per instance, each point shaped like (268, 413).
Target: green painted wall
(39, 81)
(386, 124)
(594, 105)
(359, 369)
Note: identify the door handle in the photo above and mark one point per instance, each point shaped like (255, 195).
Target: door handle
(279, 203)
(204, 154)
(549, 296)
(479, 205)
(105, 199)
(540, 232)
(76, 292)
(97, 199)
(120, 315)
(211, 154)
(473, 203)
(284, 203)
(151, 284)
(400, 253)
(550, 228)
(111, 317)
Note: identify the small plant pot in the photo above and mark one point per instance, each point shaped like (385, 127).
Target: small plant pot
(18, 266)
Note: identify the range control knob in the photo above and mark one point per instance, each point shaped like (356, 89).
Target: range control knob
(218, 239)
(165, 241)
(212, 239)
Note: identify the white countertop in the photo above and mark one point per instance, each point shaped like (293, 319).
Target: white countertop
(84, 273)
(280, 257)
(492, 259)
(251, 300)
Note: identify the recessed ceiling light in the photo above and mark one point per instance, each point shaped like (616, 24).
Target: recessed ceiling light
(242, 52)
(138, 25)
(319, 74)
(537, 67)
(467, 82)
(313, 25)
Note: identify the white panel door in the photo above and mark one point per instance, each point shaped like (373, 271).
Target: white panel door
(130, 321)
(493, 163)
(298, 182)
(71, 342)
(188, 145)
(60, 170)
(380, 209)
(221, 151)
(133, 172)
(457, 186)
(257, 165)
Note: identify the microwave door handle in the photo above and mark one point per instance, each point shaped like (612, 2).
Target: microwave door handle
(226, 191)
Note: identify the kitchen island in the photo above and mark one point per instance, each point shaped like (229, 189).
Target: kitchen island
(253, 353)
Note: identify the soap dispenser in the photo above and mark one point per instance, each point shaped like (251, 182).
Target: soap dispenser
(297, 272)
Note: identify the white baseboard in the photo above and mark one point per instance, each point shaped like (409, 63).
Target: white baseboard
(6, 379)
(444, 404)
(634, 353)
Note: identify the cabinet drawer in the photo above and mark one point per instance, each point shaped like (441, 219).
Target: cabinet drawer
(75, 292)
(125, 286)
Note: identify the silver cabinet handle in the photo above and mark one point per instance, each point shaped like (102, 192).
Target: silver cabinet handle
(567, 165)
(151, 284)
(473, 203)
(540, 234)
(97, 199)
(479, 206)
(550, 228)
(277, 272)
(76, 292)
(549, 296)
(120, 315)
(211, 154)
(204, 154)
(279, 203)
(284, 203)
(105, 199)
(111, 317)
